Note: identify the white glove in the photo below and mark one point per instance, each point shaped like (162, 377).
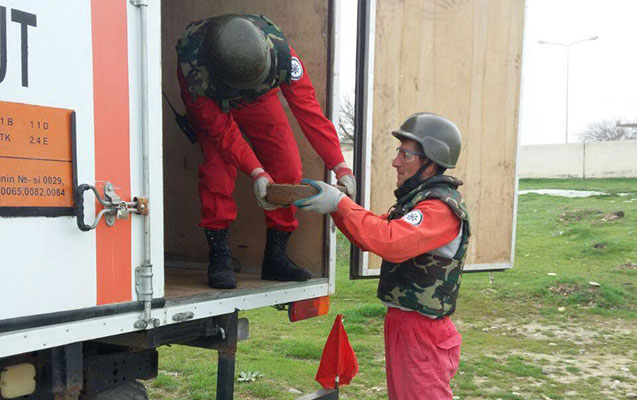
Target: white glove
(345, 177)
(261, 182)
(349, 181)
(324, 202)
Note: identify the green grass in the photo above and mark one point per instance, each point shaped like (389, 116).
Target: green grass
(529, 335)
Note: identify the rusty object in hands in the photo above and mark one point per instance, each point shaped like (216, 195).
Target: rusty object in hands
(286, 194)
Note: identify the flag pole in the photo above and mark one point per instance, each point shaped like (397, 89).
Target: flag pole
(338, 351)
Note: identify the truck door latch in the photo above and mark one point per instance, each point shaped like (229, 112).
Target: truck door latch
(114, 207)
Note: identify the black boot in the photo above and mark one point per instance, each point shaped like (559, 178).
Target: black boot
(220, 271)
(276, 265)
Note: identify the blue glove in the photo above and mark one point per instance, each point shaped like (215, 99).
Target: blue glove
(324, 202)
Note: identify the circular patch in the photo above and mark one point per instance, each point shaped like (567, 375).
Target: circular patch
(413, 217)
(297, 69)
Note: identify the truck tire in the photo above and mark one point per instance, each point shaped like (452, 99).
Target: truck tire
(133, 390)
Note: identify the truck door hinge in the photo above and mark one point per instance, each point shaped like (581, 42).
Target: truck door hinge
(114, 207)
(183, 316)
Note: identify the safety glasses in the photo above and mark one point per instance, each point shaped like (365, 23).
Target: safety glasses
(407, 155)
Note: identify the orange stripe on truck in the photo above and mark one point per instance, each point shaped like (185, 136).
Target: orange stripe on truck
(112, 138)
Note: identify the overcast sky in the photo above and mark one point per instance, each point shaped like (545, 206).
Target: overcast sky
(348, 11)
(603, 72)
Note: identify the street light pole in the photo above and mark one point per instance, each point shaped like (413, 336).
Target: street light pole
(568, 61)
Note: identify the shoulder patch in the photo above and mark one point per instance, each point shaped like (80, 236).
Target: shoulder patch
(297, 69)
(413, 217)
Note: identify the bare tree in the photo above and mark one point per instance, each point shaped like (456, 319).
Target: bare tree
(607, 130)
(346, 120)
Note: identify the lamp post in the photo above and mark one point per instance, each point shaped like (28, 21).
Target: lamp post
(568, 56)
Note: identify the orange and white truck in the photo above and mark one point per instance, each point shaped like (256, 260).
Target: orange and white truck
(90, 285)
(101, 258)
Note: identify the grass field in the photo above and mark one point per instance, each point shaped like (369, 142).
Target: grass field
(539, 331)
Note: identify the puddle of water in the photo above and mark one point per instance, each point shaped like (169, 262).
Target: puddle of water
(564, 193)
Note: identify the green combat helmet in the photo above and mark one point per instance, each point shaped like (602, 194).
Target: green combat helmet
(439, 137)
(237, 50)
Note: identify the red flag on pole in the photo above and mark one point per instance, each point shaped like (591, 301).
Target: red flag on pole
(338, 359)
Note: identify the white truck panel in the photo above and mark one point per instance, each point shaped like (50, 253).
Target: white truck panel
(50, 255)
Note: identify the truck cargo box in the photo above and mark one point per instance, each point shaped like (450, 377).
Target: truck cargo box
(73, 91)
(101, 256)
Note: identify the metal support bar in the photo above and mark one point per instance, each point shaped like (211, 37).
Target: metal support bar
(226, 363)
(65, 369)
(210, 333)
(225, 376)
(145, 292)
(363, 116)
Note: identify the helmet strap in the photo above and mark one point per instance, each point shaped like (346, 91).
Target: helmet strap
(412, 182)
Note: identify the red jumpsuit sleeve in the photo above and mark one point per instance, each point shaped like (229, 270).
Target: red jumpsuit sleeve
(318, 130)
(220, 128)
(397, 240)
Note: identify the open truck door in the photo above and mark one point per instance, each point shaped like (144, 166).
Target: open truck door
(463, 62)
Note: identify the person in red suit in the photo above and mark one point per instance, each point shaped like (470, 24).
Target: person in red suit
(423, 241)
(231, 69)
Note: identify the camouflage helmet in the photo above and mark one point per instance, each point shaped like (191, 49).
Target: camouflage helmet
(237, 51)
(439, 137)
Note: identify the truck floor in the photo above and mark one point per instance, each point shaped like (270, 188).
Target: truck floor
(186, 282)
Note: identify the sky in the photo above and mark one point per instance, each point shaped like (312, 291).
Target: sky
(348, 10)
(602, 73)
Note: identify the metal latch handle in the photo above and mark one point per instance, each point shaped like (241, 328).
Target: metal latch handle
(79, 207)
(113, 209)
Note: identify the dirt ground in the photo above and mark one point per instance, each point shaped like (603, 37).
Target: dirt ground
(593, 358)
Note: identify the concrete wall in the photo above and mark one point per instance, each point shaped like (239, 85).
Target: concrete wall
(577, 160)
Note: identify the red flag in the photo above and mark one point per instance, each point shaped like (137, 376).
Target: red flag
(338, 359)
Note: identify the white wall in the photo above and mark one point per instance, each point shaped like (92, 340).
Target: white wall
(577, 160)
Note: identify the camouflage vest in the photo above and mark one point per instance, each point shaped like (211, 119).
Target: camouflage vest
(198, 76)
(428, 283)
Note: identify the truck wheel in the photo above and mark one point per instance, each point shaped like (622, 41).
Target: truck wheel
(126, 391)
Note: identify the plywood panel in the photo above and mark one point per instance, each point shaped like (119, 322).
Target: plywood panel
(460, 59)
(306, 25)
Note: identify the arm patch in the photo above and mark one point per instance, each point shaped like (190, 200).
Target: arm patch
(296, 69)
(413, 217)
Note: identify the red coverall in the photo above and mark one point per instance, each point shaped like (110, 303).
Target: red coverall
(421, 353)
(274, 148)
